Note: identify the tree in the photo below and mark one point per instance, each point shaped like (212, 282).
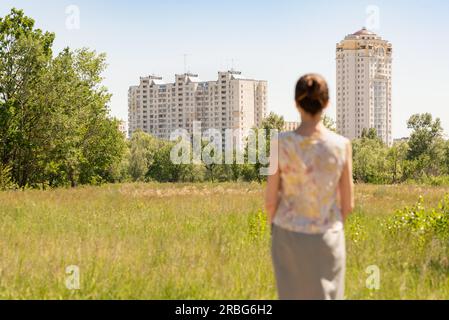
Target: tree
(55, 127)
(425, 133)
(85, 141)
(271, 124)
(329, 123)
(249, 173)
(89, 141)
(370, 134)
(162, 168)
(426, 144)
(446, 157)
(6, 182)
(396, 161)
(233, 170)
(369, 161)
(25, 53)
(273, 121)
(369, 157)
(102, 150)
(119, 171)
(142, 152)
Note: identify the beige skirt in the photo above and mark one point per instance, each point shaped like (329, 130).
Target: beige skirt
(309, 266)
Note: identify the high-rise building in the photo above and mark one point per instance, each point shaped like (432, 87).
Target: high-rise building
(122, 127)
(231, 102)
(291, 125)
(364, 62)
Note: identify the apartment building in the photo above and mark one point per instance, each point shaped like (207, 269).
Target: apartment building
(230, 102)
(364, 71)
(122, 127)
(291, 125)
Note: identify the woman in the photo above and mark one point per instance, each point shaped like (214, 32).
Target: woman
(308, 198)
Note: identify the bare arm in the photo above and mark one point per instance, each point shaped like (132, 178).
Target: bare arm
(273, 183)
(272, 195)
(346, 186)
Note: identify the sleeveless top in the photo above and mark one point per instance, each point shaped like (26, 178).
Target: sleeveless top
(310, 171)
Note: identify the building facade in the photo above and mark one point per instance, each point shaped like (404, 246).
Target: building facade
(291, 125)
(122, 128)
(401, 140)
(364, 70)
(230, 102)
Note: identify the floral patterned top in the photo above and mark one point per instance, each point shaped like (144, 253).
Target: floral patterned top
(310, 170)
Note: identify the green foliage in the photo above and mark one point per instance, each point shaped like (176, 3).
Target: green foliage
(426, 134)
(55, 127)
(249, 172)
(142, 150)
(329, 123)
(426, 145)
(369, 158)
(423, 159)
(273, 121)
(149, 159)
(436, 181)
(396, 162)
(252, 171)
(6, 182)
(25, 54)
(355, 230)
(421, 222)
(370, 134)
(162, 169)
(258, 225)
(374, 162)
(446, 158)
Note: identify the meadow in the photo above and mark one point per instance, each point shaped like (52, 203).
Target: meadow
(195, 241)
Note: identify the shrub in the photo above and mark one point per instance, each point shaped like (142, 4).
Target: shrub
(6, 182)
(437, 181)
(356, 228)
(257, 223)
(422, 222)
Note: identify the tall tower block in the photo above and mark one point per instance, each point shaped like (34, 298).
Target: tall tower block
(364, 62)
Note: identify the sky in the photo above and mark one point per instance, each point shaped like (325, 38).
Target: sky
(276, 40)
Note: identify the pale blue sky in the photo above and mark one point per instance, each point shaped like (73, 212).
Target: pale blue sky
(271, 40)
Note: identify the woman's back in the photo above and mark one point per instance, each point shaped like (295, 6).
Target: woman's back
(309, 194)
(310, 170)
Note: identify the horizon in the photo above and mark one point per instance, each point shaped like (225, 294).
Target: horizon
(260, 39)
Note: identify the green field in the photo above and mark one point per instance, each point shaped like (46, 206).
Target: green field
(203, 241)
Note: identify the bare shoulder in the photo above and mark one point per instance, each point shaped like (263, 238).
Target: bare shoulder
(339, 139)
(285, 135)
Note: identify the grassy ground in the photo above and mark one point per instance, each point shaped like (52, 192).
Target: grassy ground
(150, 241)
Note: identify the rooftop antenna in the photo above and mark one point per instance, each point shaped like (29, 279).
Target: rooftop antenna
(233, 65)
(185, 63)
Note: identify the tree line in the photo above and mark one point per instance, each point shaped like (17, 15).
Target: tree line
(56, 129)
(423, 158)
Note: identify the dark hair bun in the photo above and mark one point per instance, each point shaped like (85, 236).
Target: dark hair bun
(312, 93)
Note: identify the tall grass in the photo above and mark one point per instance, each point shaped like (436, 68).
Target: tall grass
(202, 241)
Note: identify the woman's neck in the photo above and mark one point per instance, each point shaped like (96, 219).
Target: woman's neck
(311, 126)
